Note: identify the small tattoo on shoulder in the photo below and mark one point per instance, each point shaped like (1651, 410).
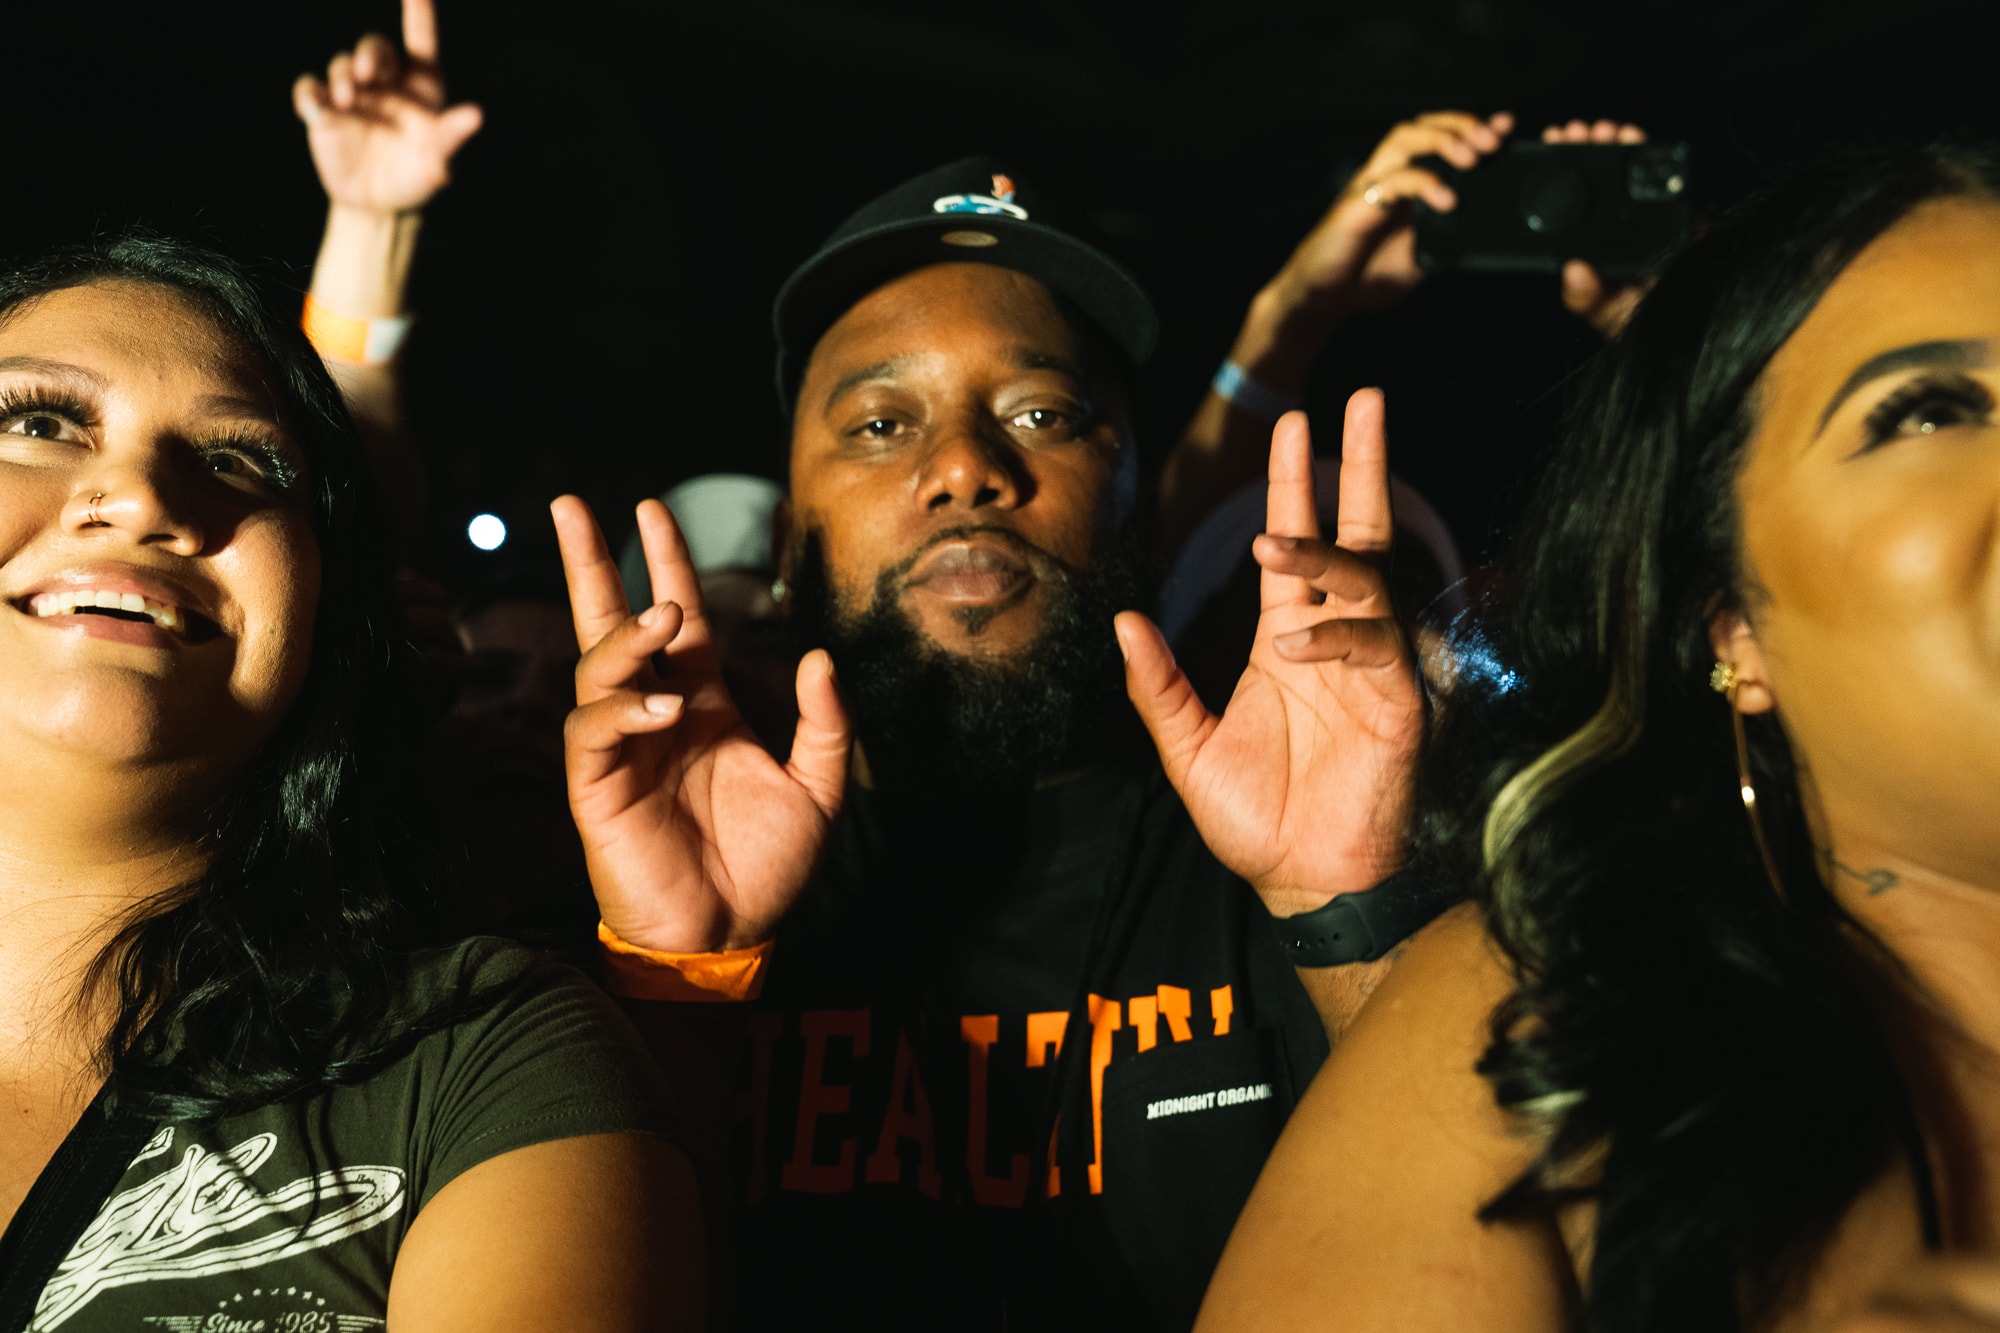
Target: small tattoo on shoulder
(1877, 880)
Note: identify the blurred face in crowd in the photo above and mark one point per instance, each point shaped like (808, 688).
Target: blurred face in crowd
(1870, 504)
(521, 660)
(167, 625)
(962, 481)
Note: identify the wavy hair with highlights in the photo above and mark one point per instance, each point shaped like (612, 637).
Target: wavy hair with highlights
(1711, 1067)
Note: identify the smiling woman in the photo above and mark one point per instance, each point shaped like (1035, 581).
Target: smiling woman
(214, 1000)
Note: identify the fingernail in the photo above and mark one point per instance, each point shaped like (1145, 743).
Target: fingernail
(663, 705)
(651, 615)
(1297, 639)
(1285, 543)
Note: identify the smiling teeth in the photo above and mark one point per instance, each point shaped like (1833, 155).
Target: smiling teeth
(67, 603)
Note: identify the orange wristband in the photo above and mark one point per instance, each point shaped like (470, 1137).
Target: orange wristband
(699, 978)
(356, 342)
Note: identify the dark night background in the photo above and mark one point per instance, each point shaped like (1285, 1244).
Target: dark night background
(595, 286)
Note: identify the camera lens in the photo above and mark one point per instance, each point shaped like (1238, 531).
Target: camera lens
(1657, 173)
(1552, 199)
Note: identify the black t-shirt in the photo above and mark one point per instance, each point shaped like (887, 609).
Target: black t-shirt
(287, 1218)
(1017, 1064)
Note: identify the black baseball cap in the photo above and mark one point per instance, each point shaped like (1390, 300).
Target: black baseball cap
(971, 211)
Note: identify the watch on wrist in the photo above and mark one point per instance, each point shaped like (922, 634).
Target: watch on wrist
(1362, 927)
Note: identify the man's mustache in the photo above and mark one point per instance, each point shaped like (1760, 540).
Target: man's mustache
(1047, 567)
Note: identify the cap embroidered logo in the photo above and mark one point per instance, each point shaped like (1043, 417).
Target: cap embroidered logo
(983, 203)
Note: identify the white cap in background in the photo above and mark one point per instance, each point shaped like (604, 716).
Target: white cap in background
(726, 519)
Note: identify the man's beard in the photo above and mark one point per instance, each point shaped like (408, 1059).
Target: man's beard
(927, 717)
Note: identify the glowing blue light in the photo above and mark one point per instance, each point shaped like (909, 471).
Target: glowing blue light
(486, 531)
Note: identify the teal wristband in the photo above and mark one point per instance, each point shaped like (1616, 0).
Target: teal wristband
(1233, 385)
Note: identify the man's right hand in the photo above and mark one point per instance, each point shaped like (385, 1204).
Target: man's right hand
(697, 840)
(382, 137)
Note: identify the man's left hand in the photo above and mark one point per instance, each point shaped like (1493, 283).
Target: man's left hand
(1301, 786)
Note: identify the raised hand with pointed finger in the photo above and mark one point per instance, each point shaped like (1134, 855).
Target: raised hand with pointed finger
(1301, 786)
(382, 137)
(696, 839)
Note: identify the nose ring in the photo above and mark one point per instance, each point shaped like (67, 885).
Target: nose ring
(91, 513)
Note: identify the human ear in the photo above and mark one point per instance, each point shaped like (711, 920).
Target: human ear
(1735, 643)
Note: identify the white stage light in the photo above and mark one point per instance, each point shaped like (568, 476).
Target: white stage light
(486, 531)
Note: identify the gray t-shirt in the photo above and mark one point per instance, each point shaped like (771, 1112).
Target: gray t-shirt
(287, 1218)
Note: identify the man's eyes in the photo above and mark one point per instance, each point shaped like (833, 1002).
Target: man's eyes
(1042, 418)
(1048, 421)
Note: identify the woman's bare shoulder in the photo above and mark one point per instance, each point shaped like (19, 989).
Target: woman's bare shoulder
(1366, 1215)
(1451, 965)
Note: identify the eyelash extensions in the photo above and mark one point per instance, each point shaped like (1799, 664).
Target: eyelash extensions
(272, 467)
(1968, 396)
(280, 472)
(20, 402)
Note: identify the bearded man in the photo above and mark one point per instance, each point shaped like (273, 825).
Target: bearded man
(1013, 1003)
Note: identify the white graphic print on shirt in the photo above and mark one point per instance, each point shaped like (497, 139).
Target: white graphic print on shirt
(205, 1216)
(257, 1310)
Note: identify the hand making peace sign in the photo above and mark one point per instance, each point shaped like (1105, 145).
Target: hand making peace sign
(381, 134)
(697, 839)
(1302, 785)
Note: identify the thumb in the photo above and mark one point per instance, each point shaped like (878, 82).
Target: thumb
(1179, 723)
(820, 744)
(457, 125)
(1582, 289)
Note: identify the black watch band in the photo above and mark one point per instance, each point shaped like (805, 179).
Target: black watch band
(1361, 927)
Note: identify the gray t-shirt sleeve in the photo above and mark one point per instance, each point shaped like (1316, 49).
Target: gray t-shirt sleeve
(544, 1056)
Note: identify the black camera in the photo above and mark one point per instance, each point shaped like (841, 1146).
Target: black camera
(1532, 206)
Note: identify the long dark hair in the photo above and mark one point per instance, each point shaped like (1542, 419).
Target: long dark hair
(270, 974)
(1710, 1064)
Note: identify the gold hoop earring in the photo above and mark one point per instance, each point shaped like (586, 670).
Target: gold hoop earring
(1723, 680)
